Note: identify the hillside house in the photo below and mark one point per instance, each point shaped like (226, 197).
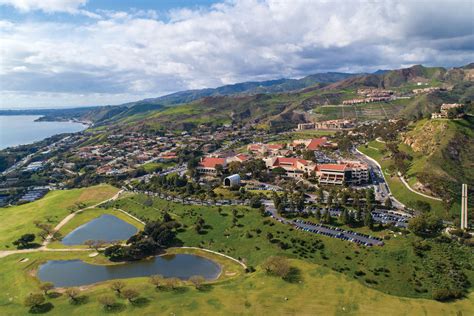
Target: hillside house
(208, 165)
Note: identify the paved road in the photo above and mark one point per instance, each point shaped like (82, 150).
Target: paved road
(382, 190)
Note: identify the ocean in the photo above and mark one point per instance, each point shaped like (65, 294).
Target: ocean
(22, 129)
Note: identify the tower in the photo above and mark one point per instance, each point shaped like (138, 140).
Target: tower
(464, 207)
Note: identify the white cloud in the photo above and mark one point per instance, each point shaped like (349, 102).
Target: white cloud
(133, 54)
(70, 6)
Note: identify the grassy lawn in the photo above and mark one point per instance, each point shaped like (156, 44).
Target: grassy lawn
(319, 289)
(19, 220)
(225, 193)
(153, 166)
(327, 281)
(86, 216)
(311, 133)
(248, 239)
(398, 189)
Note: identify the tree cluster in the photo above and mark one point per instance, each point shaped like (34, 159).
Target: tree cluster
(155, 237)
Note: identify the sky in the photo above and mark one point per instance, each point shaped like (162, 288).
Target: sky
(65, 53)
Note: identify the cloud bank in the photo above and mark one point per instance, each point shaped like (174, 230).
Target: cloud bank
(116, 57)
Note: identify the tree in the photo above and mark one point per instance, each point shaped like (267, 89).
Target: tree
(34, 301)
(425, 225)
(388, 202)
(107, 301)
(320, 195)
(130, 294)
(157, 280)
(172, 283)
(345, 217)
(278, 266)
(24, 241)
(318, 214)
(45, 287)
(279, 171)
(197, 281)
(117, 286)
(219, 170)
(326, 217)
(167, 217)
(72, 293)
(330, 199)
(308, 155)
(370, 196)
(255, 202)
(368, 220)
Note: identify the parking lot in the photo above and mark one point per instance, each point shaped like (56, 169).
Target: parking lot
(335, 232)
(326, 230)
(379, 216)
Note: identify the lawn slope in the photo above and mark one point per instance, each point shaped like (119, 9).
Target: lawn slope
(18, 220)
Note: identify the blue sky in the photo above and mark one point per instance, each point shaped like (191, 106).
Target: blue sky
(63, 53)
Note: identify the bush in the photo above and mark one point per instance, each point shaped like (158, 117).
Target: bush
(277, 266)
(446, 294)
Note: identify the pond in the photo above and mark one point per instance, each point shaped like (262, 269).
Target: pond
(105, 227)
(65, 273)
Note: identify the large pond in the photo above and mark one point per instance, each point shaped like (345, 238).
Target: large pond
(65, 273)
(105, 227)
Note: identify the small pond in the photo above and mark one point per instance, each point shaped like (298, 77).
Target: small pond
(105, 227)
(65, 273)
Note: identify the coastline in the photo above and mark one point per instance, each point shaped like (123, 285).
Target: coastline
(16, 140)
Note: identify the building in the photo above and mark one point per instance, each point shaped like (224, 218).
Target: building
(208, 165)
(232, 180)
(305, 126)
(343, 173)
(311, 144)
(366, 100)
(334, 124)
(348, 172)
(34, 166)
(372, 92)
(238, 158)
(427, 90)
(445, 107)
(294, 167)
(266, 149)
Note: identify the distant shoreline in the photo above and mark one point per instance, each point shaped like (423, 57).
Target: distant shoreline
(16, 131)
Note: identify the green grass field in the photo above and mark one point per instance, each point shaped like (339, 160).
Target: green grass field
(18, 220)
(319, 291)
(153, 166)
(248, 239)
(327, 284)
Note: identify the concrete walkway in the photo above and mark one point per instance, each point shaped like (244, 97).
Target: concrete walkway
(71, 216)
(419, 193)
(217, 253)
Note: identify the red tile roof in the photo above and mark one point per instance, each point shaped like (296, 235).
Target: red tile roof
(242, 157)
(289, 161)
(332, 167)
(315, 143)
(211, 162)
(275, 146)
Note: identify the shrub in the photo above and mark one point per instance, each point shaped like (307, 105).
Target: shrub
(278, 266)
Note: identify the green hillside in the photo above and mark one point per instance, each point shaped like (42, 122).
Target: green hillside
(442, 153)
